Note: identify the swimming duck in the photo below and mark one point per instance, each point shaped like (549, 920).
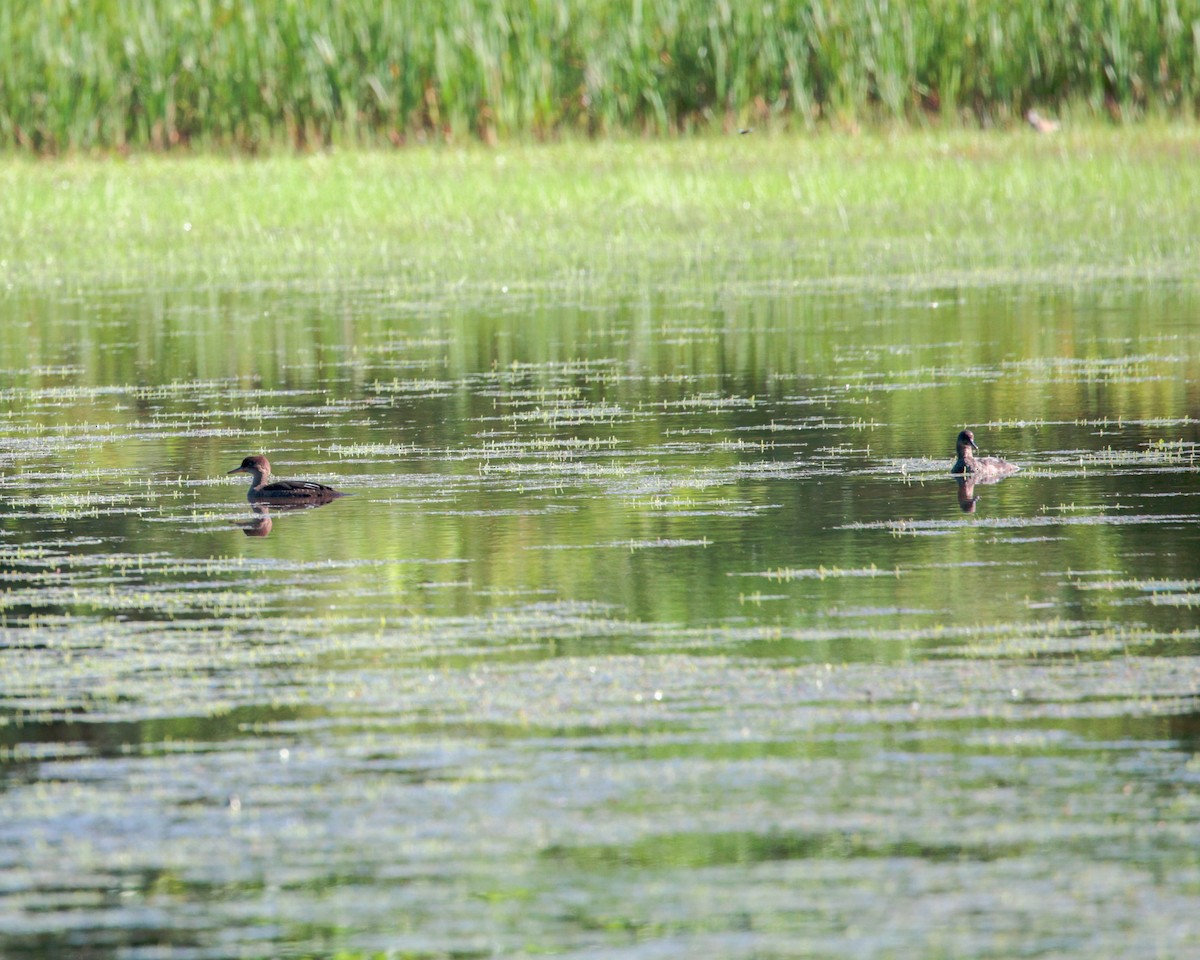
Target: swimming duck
(294, 491)
(967, 462)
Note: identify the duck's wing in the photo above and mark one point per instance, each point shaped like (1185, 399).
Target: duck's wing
(995, 465)
(297, 489)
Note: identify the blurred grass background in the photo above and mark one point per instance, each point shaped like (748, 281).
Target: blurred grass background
(112, 74)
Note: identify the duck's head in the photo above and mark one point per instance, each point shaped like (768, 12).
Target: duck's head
(965, 439)
(257, 465)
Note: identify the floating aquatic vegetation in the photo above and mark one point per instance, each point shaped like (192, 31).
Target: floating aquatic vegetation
(821, 573)
(1099, 517)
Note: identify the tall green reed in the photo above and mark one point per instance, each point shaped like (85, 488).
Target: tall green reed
(158, 73)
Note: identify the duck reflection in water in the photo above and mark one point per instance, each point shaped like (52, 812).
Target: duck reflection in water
(967, 497)
(261, 522)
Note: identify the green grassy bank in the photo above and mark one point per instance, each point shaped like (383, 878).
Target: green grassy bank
(158, 73)
(444, 225)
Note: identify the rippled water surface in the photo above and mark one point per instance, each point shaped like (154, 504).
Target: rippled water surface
(653, 626)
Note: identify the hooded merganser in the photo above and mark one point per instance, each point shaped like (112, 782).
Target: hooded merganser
(967, 462)
(262, 487)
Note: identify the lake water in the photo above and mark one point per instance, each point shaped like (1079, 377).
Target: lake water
(654, 625)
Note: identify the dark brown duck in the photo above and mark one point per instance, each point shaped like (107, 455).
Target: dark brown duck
(967, 462)
(262, 487)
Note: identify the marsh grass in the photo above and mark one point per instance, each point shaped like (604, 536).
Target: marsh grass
(166, 73)
(578, 222)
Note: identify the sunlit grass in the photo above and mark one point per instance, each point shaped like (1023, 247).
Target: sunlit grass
(917, 210)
